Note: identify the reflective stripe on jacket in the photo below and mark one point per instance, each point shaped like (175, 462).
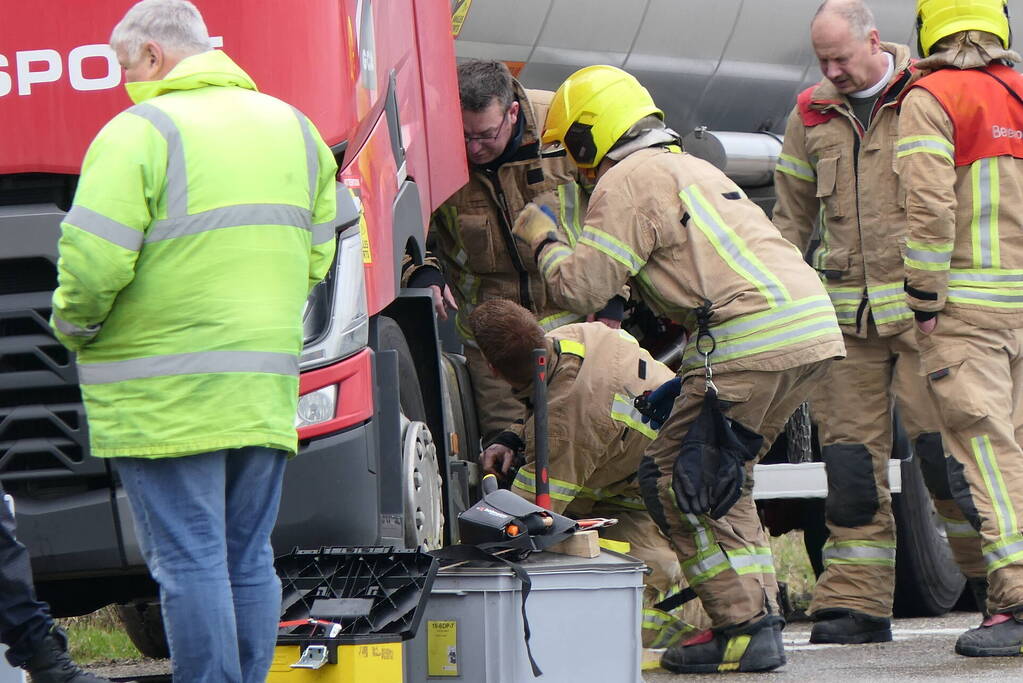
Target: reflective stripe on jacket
(203, 216)
(962, 163)
(473, 228)
(686, 234)
(595, 435)
(832, 171)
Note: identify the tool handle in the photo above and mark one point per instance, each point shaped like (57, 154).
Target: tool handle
(489, 484)
(540, 452)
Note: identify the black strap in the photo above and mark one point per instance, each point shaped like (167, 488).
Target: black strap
(1004, 85)
(676, 600)
(463, 552)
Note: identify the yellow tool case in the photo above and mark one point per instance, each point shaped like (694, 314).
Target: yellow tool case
(346, 612)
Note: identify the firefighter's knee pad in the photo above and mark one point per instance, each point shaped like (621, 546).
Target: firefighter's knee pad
(647, 476)
(960, 489)
(852, 490)
(931, 457)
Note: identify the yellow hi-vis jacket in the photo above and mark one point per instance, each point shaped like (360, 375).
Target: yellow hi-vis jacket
(595, 435)
(203, 217)
(831, 168)
(685, 234)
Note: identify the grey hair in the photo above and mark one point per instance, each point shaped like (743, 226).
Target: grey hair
(175, 25)
(855, 12)
(482, 80)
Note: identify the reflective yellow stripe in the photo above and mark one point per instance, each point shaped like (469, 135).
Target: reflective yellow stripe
(846, 301)
(732, 248)
(873, 553)
(623, 410)
(987, 461)
(888, 303)
(550, 256)
(781, 326)
(751, 560)
(796, 168)
(1004, 552)
(821, 253)
(926, 256)
(958, 528)
(734, 651)
(556, 320)
(561, 490)
(984, 222)
(568, 199)
(931, 144)
(573, 347)
(610, 245)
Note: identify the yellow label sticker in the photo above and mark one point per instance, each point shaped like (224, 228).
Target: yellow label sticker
(367, 253)
(442, 648)
(459, 9)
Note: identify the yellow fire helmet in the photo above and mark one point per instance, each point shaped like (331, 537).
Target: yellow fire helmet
(592, 109)
(936, 19)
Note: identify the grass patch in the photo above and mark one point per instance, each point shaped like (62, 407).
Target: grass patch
(793, 567)
(99, 637)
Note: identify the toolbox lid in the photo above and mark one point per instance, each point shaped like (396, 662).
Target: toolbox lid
(345, 594)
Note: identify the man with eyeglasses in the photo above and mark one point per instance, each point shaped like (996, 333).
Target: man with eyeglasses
(471, 240)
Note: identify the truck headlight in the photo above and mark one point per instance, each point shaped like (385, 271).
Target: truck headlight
(335, 320)
(316, 406)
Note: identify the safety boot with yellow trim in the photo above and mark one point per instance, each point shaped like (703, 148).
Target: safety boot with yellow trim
(755, 646)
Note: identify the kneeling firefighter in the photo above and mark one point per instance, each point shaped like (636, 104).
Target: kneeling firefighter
(596, 438)
(698, 251)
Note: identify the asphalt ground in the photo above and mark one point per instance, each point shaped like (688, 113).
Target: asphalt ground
(922, 649)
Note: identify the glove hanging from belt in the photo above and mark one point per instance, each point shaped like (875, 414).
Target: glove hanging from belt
(709, 472)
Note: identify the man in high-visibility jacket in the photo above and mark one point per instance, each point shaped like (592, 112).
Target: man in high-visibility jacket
(960, 157)
(470, 234)
(699, 252)
(203, 216)
(837, 163)
(595, 437)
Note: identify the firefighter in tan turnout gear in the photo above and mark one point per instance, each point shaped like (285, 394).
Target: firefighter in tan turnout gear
(689, 240)
(837, 163)
(596, 437)
(471, 232)
(960, 157)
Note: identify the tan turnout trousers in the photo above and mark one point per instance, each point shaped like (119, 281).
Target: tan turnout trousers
(853, 409)
(976, 378)
(728, 561)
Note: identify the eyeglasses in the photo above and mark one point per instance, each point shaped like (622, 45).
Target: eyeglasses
(488, 138)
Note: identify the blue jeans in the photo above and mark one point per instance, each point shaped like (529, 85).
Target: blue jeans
(203, 523)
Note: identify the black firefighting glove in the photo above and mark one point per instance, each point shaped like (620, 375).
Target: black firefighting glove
(709, 472)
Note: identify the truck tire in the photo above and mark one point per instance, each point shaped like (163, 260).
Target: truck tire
(143, 623)
(927, 581)
(422, 484)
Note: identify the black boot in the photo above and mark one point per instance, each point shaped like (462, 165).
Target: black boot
(752, 647)
(1001, 635)
(848, 627)
(51, 662)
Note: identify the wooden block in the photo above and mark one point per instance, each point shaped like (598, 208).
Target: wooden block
(579, 544)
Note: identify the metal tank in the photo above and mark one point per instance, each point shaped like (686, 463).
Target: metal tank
(729, 65)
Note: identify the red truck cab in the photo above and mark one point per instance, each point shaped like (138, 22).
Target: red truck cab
(378, 81)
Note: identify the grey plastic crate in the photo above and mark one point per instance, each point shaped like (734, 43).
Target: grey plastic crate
(584, 615)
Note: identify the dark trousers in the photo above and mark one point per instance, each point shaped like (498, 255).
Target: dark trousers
(24, 620)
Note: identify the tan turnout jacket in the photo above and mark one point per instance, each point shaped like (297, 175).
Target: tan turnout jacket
(832, 170)
(685, 234)
(595, 435)
(472, 230)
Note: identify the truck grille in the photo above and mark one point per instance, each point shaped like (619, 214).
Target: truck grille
(43, 435)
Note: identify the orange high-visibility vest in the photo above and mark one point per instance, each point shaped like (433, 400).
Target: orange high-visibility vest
(987, 119)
